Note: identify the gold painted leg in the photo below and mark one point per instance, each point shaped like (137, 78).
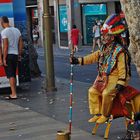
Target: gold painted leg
(107, 130)
(108, 127)
(95, 129)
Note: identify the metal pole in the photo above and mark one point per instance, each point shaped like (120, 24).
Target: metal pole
(69, 13)
(48, 45)
(71, 99)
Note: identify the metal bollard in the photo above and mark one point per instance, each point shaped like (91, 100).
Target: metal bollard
(63, 135)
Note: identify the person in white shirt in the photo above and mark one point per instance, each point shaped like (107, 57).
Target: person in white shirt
(11, 51)
(96, 36)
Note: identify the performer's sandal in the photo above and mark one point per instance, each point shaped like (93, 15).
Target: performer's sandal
(94, 119)
(102, 119)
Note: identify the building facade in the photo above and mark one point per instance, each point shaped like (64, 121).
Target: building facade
(91, 10)
(84, 14)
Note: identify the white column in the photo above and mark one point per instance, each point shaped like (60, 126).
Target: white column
(40, 21)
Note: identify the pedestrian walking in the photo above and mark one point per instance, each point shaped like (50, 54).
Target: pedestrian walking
(35, 34)
(75, 33)
(11, 52)
(96, 35)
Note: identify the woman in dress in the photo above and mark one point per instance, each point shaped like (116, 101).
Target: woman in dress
(75, 33)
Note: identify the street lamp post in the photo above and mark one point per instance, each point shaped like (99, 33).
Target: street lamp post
(48, 45)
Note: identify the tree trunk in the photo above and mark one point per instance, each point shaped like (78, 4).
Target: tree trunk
(34, 68)
(131, 9)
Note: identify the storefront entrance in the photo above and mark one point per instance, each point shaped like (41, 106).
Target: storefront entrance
(91, 13)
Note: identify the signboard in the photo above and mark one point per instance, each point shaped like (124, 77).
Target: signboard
(95, 9)
(5, 1)
(6, 8)
(20, 22)
(63, 19)
(19, 10)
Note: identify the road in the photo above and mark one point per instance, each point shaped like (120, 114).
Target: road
(62, 69)
(86, 73)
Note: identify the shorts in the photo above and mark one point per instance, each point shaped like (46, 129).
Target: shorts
(96, 38)
(10, 69)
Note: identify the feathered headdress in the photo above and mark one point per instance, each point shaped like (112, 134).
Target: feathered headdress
(114, 25)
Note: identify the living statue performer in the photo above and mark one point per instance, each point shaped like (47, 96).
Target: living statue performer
(114, 72)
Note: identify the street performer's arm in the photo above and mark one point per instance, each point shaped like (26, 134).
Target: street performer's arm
(123, 70)
(89, 59)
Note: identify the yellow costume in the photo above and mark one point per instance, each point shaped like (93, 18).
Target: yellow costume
(100, 102)
(113, 69)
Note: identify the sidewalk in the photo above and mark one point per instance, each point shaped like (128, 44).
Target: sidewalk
(20, 119)
(20, 123)
(38, 115)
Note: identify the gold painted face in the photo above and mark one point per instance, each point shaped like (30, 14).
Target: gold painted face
(107, 38)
